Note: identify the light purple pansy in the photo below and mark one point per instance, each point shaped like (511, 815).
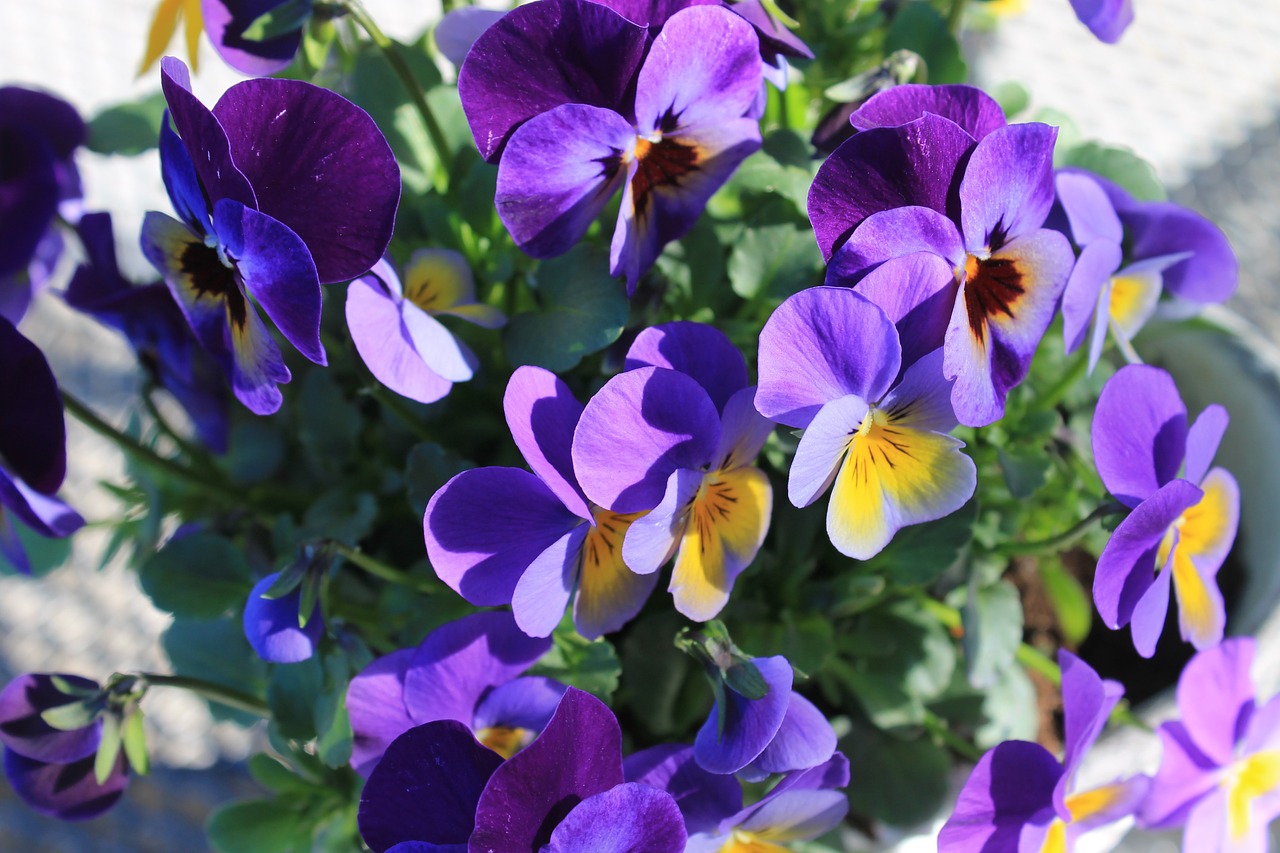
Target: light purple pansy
(225, 22)
(1184, 514)
(1019, 797)
(968, 106)
(675, 436)
(1132, 252)
(1106, 19)
(1220, 772)
(879, 442)
(267, 208)
(395, 329)
(271, 625)
(467, 670)
(533, 540)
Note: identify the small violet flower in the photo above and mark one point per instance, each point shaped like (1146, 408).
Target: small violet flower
(1106, 19)
(1181, 526)
(395, 330)
(273, 626)
(1019, 797)
(268, 208)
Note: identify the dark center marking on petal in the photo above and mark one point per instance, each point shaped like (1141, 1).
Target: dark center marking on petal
(211, 277)
(660, 164)
(992, 286)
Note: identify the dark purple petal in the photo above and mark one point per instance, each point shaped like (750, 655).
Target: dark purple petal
(577, 755)
(694, 349)
(1185, 775)
(460, 660)
(22, 730)
(542, 414)
(65, 791)
(426, 787)
(968, 106)
(922, 398)
(1203, 439)
(337, 189)
(917, 293)
(1087, 702)
(1106, 19)
(892, 234)
(271, 625)
(33, 432)
(375, 704)
(1164, 228)
(641, 426)
(225, 22)
(459, 29)
(704, 798)
(1009, 793)
(386, 347)
(1007, 188)
(832, 773)
(182, 183)
(541, 56)
(204, 138)
(523, 703)
(628, 818)
(805, 357)
(749, 724)
(1216, 697)
(776, 40)
(1089, 210)
(1139, 432)
(426, 847)
(486, 526)
(804, 740)
(884, 168)
(55, 120)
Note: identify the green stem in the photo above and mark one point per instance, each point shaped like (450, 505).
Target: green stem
(379, 569)
(390, 50)
(1078, 369)
(165, 427)
(228, 696)
(392, 402)
(938, 727)
(955, 16)
(1054, 544)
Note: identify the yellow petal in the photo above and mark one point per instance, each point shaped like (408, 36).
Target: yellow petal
(1086, 804)
(1200, 609)
(1056, 839)
(1133, 299)
(163, 26)
(1205, 527)
(436, 279)
(193, 16)
(1249, 778)
(748, 842)
(605, 585)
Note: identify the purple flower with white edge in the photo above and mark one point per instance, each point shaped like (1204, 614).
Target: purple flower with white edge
(675, 436)
(268, 208)
(273, 626)
(467, 670)
(930, 185)
(1019, 797)
(533, 540)
(1106, 19)
(148, 316)
(563, 94)
(1184, 513)
(1220, 772)
(395, 329)
(879, 443)
(1169, 250)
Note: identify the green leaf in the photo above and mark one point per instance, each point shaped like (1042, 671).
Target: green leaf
(1072, 604)
(199, 575)
(745, 679)
(992, 631)
(44, 553)
(74, 715)
(130, 128)
(1024, 469)
(108, 748)
(216, 651)
(899, 782)
(663, 686)
(135, 742)
(1116, 164)
(902, 658)
(590, 665)
(583, 311)
(921, 553)
(276, 777)
(292, 695)
(1009, 707)
(254, 452)
(919, 27)
(341, 515)
(884, 699)
(257, 826)
(430, 466)
(285, 18)
(774, 260)
(328, 423)
(334, 743)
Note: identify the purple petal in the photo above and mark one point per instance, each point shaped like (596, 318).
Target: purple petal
(28, 195)
(1203, 439)
(1263, 729)
(1089, 211)
(1098, 261)
(523, 703)
(22, 730)
(541, 56)
(922, 398)
(577, 755)
(1106, 19)
(204, 138)
(804, 740)
(776, 40)
(542, 414)
(181, 182)
(749, 724)
(1139, 432)
(1163, 228)
(558, 172)
(65, 791)
(45, 515)
(917, 292)
(426, 787)
(33, 433)
(1007, 188)
(271, 625)
(628, 818)
(1009, 791)
(968, 106)
(805, 359)
(884, 168)
(543, 591)
(694, 349)
(225, 22)
(652, 539)
(832, 773)
(822, 448)
(1087, 702)
(1185, 775)
(641, 426)
(460, 28)
(337, 190)
(796, 815)
(375, 703)
(1216, 698)
(704, 798)
(458, 661)
(55, 120)
(892, 234)
(486, 526)
(1151, 610)
(743, 431)
(385, 346)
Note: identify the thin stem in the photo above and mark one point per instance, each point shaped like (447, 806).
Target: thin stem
(938, 727)
(390, 50)
(955, 16)
(165, 427)
(1078, 369)
(228, 696)
(1054, 544)
(379, 569)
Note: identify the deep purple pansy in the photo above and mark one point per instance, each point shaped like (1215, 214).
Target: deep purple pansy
(1184, 513)
(226, 23)
(468, 670)
(272, 625)
(533, 540)
(704, 798)
(267, 208)
(1019, 797)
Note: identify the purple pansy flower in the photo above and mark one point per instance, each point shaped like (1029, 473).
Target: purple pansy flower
(675, 437)
(1183, 520)
(225, 22)
(52, 770)
(880, 443)
(1220, 772)
(39, 133)
(704, 798)
(272, 625)
(972, 193)
(465, 670)
(1020, 798)
(574, 102)
(1169, 249)
(268, 208)
(533, 540)
(155, 327)
(395, 330)
(1106, 19)
(33, 448)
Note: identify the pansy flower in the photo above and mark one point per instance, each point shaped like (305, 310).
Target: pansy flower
(270, 208)
(1106, 19)
(574, 103)
(879, 443)
(675, 436)
(1019, 797)
(1184, 512)
(970, 192)
(228, 24)
(1130, 253)
(467, 670)
(395, 330)
(1220, 772)
(704, 798)
(273, 626)
(534, 540)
